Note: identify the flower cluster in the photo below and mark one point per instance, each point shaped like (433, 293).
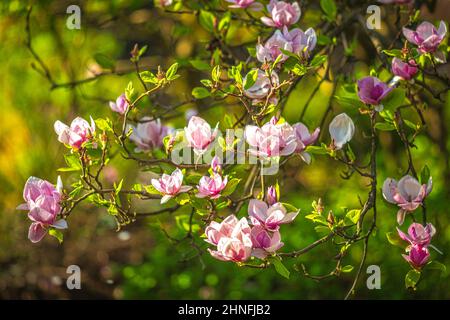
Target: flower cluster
(237, 241)
(419, 238)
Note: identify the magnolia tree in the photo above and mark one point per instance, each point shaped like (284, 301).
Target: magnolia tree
(221, 171)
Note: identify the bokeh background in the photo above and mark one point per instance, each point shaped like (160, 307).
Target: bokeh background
(139, 261)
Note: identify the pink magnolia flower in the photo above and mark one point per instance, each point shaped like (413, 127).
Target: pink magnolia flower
(170, 185)
(148, 134)
(199, 134)
(404, 70)
(283, 14)
(262, 87)
(372, 90)
(165, 3)
(271, 140)
(211, 186)
(418, 234)
(295, 41)
(42, 201)
(244, 4)
(234, 243)
(407, 193)
(426, 37)
(269, 217)
(417, 256)
(341, 130)
(271, 195)
(264, 243)
(121, 104)
(304, 139)
(79, 132)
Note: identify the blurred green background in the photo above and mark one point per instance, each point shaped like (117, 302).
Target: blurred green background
(139, 261)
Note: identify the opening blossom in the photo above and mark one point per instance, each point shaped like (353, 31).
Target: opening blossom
(120, 106)
(404, 70)
(426, 37)
(271, 195)
(372, 90)
(304, 139)
(272, 139)
(245, 4)
(170, 185)
(42, 201)
(79, 132)
(282, 14)
(232, 238)
(417, 256)
(295, 41)
(199, 134)
(213, 185)
(407, 193)
(264, 242)
(262, 87)
(148, 134)
(341, 130)
(270, 217)
(418, 234)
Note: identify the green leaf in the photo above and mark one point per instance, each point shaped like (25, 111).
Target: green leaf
(200, 93)
(171, 73)
(104, 124)
(215, 73)
(394, 239)
(104, 61)
(353, 215)
(435, 265)
(289, 54)
(411, 279)
(200, 65)
(425, 175)
(207, 20)
(316, 150)
(347, 268)
(384, 126)
(73, 163)
(118, 188)
(395, 99)
(129, 91)
(142, 50)
(299, 69)
(225, 21)
(231, 186)
(57, 234)
(183, 198)
(393, 53)
(279, 267)
(329, 7)
(148, 76)
(250, 79)
(151, 189)
(318, 60)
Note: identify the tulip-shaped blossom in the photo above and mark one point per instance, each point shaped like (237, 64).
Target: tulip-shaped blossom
(426, 37)
(264, 242)
(79, 132)
(199, 134)
(42, 201)
(170, 185)
(418, 234)
(121, 104)
(341, 130)
(272, 195)
(245, 4)
(407, 193)
(304, 139)
(269, 217)
(262, 87)
(417, 256)
(271, 140)
(295, 41)
(213, 185)
(233, 240)
(148, 134)
(372, 90)
(282, 14)
(404, 70)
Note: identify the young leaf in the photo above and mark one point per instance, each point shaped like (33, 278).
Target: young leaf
(279, 267)
(200, 93)
(104, 61)
(329, 7)
(171, 73)
(411, 279)
(231, 186)
(394, 239)
(250, 79)
(57, 234)
(207, 20)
